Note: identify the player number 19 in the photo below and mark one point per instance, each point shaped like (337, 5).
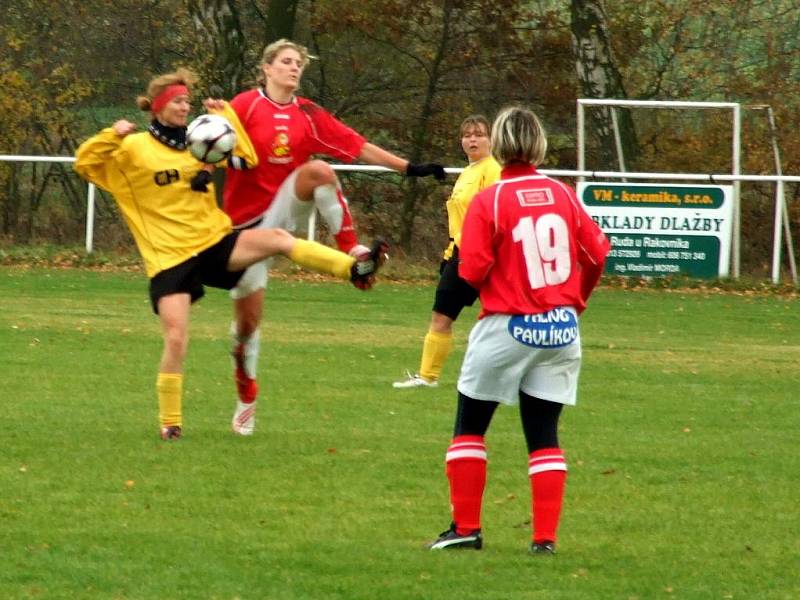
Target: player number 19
(545, 246)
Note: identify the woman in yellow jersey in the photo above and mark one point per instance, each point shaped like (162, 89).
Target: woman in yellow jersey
(185, 239)
(453, 293)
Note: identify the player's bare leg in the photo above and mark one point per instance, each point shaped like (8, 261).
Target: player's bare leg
(173, 311)
(255, 245)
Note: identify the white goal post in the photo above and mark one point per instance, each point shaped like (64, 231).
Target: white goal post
(781, 219)
(736, 148)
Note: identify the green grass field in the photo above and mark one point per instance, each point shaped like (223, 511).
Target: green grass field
(683, 452)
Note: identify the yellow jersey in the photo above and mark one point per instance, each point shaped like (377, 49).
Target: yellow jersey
(475, 177)
(150, 182)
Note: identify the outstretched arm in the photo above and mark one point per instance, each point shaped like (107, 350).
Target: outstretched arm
(375, 155)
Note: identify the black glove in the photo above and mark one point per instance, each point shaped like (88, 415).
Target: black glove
(425, 169)
(201, 180)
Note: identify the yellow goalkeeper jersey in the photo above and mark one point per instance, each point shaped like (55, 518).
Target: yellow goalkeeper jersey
(475, 177)
(150, 182)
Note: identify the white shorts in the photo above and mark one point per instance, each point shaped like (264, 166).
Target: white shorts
(287, 212)
(537, 354)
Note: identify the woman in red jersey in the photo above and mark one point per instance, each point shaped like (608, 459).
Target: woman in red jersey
(286, 130)
(185, 240)
(535, 256)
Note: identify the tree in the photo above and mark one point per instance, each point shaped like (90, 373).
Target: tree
(599, 77)
(38, 95)
(280, 20)
(222, 40)
(411, 73)
(405, 74)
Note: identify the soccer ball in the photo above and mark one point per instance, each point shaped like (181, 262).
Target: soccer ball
(210, 138)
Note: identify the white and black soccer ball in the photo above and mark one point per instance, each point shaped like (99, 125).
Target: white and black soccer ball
(210, 138)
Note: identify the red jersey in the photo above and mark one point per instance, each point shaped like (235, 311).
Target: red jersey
(529, 246)
(284, 136)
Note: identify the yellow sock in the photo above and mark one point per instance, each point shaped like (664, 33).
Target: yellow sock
(317, 257)
(435, 351)
(170, 394)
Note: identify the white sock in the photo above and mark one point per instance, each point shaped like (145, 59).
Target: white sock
(326, 199)
(252, 348)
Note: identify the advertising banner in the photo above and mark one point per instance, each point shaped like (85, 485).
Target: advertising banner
(658, 230)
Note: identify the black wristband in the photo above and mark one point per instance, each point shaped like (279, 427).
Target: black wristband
(425, 169)
(200, 181)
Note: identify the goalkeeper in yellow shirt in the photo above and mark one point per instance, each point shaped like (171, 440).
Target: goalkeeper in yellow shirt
(186, 241)
(452, 292)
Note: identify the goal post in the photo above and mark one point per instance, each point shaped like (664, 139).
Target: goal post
(736, 149)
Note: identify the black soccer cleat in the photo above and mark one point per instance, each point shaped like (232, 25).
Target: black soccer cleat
(171, 432)
(450, 539)
(543, 547)
(362, 273)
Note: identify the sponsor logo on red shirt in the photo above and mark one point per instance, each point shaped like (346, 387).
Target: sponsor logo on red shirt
(540, 197)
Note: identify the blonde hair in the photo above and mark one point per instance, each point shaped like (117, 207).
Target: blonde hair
(272, 50)
(159, 83)
(475, 121)
(518, 136)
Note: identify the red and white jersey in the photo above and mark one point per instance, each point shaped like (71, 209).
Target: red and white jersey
(529, 246)
(284, 136)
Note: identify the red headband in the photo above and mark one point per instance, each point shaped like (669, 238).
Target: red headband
(160, 101)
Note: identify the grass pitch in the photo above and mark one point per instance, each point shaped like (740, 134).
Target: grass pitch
(682, 452)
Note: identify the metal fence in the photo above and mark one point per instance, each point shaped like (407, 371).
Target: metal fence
(781, 225)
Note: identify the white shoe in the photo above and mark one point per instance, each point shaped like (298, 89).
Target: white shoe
(244, 418)
(414, 380)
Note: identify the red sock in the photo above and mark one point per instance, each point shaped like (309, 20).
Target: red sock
(466, 471)
(346, 236)
(246, 387)
(548, 473)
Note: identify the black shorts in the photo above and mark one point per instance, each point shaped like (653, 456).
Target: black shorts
(453, 293)
(210, 267)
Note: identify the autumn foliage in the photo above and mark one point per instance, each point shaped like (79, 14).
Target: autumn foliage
(405, 74)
